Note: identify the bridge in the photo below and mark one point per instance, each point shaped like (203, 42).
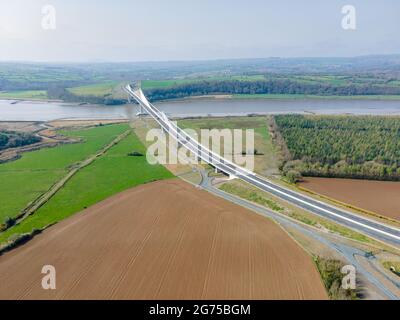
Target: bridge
(383, 232)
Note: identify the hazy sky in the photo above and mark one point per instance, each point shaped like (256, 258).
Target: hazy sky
(130, 30)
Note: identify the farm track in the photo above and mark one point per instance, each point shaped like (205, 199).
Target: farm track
(42, 199)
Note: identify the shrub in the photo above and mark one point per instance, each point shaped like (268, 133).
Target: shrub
(332, 279)
(17, 240)
(293, 176)
(8, 222)
(135, 154)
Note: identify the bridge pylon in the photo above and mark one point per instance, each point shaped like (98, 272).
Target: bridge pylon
(136, 85)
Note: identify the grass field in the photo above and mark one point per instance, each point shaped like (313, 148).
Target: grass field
(24, 94)
(112, 87)
(252, 196)
(224, 123)
(108, 175)
(96, 90)
(392, 264)
(157, 84)
(39, 73)
(267, 161)
(25, 179)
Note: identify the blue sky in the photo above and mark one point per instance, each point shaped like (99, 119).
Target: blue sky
(122, 30)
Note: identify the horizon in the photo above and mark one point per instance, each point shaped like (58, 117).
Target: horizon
(97, 31)
(372, 55)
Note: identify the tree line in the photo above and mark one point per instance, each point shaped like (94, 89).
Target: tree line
(11, 139)
(272, 86)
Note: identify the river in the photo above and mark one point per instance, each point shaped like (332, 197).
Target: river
(45, 111)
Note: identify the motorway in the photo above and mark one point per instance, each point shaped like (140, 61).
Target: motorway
(347, 251)
(372, 228)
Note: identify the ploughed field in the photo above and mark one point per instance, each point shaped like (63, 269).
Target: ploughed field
(162, 240)
(381, 197)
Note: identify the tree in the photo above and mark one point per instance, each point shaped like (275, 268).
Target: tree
(3, 140)
(293, 176)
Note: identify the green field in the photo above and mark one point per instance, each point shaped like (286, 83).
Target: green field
(392, 264)
(335, 80)
(97, 90)
(224, 123)
(314, 79)
(157, 84)
(113, 88)
(251, 195)
(25, 179)
(24, 94)
(267, 161)
(113, 172)
(100, 82)
(30, 73)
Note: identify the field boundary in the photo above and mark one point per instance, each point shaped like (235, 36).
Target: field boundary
(43, 198)
(347, 205)
(373, 244)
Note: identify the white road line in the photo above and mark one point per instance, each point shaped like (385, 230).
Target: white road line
(141, 98)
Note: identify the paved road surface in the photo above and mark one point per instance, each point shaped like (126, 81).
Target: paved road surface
(348, 252)
(377, 230)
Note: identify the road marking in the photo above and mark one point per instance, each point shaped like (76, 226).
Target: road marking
(199, 151)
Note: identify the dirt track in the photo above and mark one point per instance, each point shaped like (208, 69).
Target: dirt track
(163, 240)
(381, 197)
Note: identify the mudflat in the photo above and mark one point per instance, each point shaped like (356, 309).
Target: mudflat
(382, 197)
(163, 240)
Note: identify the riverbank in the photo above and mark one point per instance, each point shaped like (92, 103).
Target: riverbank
(18, 98)
(305, 96)
(47, 111)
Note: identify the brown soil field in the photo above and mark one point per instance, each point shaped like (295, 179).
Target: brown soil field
(381, 197)
(163, 240)
(23, 126)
